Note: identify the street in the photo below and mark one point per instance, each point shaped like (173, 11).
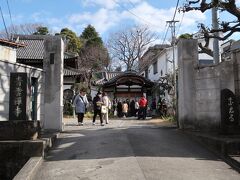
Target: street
(130, 149)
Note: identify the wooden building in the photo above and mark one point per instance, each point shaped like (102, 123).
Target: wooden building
(128, 85)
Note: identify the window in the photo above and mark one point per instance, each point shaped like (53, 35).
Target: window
(155, 68)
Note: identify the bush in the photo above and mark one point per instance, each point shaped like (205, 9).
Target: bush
(169, 118)
(68, 109)
(88, 115)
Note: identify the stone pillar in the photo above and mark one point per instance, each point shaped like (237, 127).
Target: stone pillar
(235, 50)
(187, 57)
(53, 67)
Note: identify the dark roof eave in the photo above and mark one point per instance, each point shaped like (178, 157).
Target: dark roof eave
(112, 82)
(11, 44)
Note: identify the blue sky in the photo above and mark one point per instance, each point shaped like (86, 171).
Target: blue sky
(107, 16)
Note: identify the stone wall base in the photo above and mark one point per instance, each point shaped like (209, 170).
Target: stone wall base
(19, 130)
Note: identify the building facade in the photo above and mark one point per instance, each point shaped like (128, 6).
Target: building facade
(157, 65)
(35, 83)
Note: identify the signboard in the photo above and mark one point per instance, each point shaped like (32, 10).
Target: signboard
(229, 110)
(18, 96)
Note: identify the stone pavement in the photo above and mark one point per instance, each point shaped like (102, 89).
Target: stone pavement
(130, 149)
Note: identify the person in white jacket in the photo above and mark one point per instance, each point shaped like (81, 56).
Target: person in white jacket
(107, 103)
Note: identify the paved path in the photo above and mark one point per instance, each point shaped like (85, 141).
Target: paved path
(129, 150)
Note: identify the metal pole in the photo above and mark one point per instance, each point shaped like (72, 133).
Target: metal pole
(216, 54)
(172, 26)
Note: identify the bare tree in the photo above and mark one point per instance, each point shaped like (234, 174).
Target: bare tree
(228, 28)
(25, 29)
(92, 59)
(129, 45)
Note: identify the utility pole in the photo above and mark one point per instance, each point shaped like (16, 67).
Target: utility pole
(172, 26)
(216, 54)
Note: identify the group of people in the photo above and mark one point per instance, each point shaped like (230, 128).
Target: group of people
(100, 102)
(129, 108)
(102, 105)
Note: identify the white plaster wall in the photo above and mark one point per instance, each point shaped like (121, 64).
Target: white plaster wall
(164, 63)
(67, 87)
(6, 67)
(8, 54)
(203, 56)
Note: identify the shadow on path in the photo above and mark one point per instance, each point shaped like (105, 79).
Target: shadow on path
(95, 142)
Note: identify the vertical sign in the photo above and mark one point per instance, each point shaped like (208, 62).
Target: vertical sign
(18, 96)
(229, 110)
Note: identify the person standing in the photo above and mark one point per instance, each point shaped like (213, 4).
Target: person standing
(128, 103)
(107, 103)
(125, 109)
(80, 102)
(142, 107)
(115, 107)
(119, 109)
(136, 107)
(97, 104)
(132, 108)
(154, 107)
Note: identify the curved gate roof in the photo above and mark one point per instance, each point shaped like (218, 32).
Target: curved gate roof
(129, 78)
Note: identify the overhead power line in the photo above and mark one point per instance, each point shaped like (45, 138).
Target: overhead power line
(142, 19)
(165, 36)
(180, 23)
(175, 10)
(4, 22)
(10, 14)
(170, 22)
(131, 3)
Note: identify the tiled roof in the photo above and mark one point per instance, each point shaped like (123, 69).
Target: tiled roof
(69, 55)
(67, 71)
(110, 75)
(100, 81)
(34, 47)
(107, 76)
(33, 52)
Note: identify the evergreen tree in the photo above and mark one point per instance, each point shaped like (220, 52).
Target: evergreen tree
(91, 37)
(186, 36)
(93, 56)
(41, 30)
(74, 43)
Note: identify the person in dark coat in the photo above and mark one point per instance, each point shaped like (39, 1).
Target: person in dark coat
(119, 109)
(132, 108)
(97, 104)
(154, 107)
